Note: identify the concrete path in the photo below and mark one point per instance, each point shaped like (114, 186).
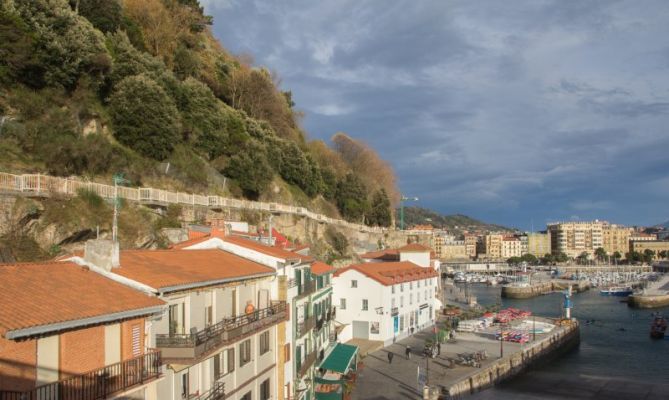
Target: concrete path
(380, 380)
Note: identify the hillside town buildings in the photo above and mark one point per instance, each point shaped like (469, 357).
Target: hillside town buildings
(616, 238)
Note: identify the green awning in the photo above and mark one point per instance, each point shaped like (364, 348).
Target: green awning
(340, 359)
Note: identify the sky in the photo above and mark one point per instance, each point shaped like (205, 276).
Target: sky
(513, 112)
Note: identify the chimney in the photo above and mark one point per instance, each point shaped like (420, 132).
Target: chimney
(102, 253)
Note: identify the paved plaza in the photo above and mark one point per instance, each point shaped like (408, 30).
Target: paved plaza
(380, 379)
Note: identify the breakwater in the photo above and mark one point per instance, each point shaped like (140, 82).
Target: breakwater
(540, 288)
(648, 300)
(541, 351)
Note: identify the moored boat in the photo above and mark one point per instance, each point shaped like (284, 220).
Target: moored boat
(617, 291)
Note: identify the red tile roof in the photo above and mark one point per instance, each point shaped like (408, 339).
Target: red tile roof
(386, 255)
(165, 269)
(321, 268)
(268, 250)
(414, 248)
(38, 294)
(198, 237)
(390, 273)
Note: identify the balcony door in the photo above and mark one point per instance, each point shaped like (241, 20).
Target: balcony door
(263, 298)
(177, 316)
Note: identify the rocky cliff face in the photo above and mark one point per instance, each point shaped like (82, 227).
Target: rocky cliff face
(55, 226)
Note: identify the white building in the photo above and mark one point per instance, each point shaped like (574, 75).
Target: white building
(385, 301)
(511, 247)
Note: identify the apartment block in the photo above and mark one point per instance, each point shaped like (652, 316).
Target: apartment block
(654, 245)
(574, 238)
(67, 332)
(511, 247)
(616, 238)
(539, 244)
(470, 245)
(493, 246)
(455, 250)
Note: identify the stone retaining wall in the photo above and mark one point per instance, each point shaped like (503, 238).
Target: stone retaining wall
(537, 289)
(648, 301)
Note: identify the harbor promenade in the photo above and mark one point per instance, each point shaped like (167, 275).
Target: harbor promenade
(382, 380)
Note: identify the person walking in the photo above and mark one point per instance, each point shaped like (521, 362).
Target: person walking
(390, 357)
(407, 351)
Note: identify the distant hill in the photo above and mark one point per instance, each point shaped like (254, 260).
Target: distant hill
(664, 225)
(456, 223)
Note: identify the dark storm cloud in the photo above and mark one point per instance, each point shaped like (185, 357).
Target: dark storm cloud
(509, 111)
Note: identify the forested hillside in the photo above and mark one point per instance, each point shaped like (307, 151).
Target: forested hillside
(456, 223)
(141, 87)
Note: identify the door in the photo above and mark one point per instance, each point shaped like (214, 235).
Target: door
(263, 299)
(361, 329)
(234, 303)
(396, 324)
(176, 315)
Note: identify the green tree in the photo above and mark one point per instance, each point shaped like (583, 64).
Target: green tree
(250, 169)
(663, 253)
(648, 256)
(600, 253)
(379, 214)
(337, 240)
(351, 198)
(562, 258)
(633, 257)
(529, 258)
(617, 256)
(105, 15)
(144, 117)
(514, 260)
(583, 257)
(68, 46)
(548, 259)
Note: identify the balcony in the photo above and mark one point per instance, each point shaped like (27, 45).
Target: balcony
(303, 368)
(195, 345)
(102, 383)
(217, 392)
(305, 289)
(306, 325)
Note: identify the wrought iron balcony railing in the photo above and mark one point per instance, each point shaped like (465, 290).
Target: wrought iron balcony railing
(305, 365)
(306, 289)
(195, 345)
(304, 326)
(102, 383)
(217, 392)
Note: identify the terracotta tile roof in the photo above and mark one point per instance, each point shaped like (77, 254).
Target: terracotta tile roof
(165, 269)
(320, 268)
(390, 273)
(198, 237)
(299, 247)
(386, 255)
(268, 250)
(38, 294)
(414, 248)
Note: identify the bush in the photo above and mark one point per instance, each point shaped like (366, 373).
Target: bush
(351, 198)
(144, 117)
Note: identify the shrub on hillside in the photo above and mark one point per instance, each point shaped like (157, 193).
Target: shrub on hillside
(144, 117)
(250, 169)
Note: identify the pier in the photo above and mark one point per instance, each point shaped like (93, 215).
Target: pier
(530, 290)
(654, 296)
(379, 379)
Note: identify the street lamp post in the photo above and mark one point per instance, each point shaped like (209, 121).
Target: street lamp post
(403, 198)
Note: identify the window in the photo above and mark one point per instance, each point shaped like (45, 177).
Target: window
(426, 295)
(354, 283)
(264, 342)
(244, 352)
(392, 303)
(342, 304)
(392, 289)
(231, 360)
(417, 283)
(401, 287)
(136, 339)
(264, 390)
(410, 298)
(365, 305)
(286, 350)
(401, 301)
(410, 285)
(184, 385)
(208, 316)
(247, 396)
(217, 366)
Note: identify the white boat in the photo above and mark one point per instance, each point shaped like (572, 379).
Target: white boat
(617, 291)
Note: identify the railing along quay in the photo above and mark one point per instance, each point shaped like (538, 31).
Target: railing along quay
(44, 185)
(98, 384)
(194, 345)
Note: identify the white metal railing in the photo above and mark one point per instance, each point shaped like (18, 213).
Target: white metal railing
(45, 184)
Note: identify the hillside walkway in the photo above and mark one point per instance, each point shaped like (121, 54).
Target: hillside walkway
(39, 185)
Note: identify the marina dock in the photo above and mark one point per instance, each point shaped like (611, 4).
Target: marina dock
(515, 291)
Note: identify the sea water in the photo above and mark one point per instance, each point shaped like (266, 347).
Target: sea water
(615, 341)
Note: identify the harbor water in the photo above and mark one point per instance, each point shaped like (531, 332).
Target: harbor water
(615, 343)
